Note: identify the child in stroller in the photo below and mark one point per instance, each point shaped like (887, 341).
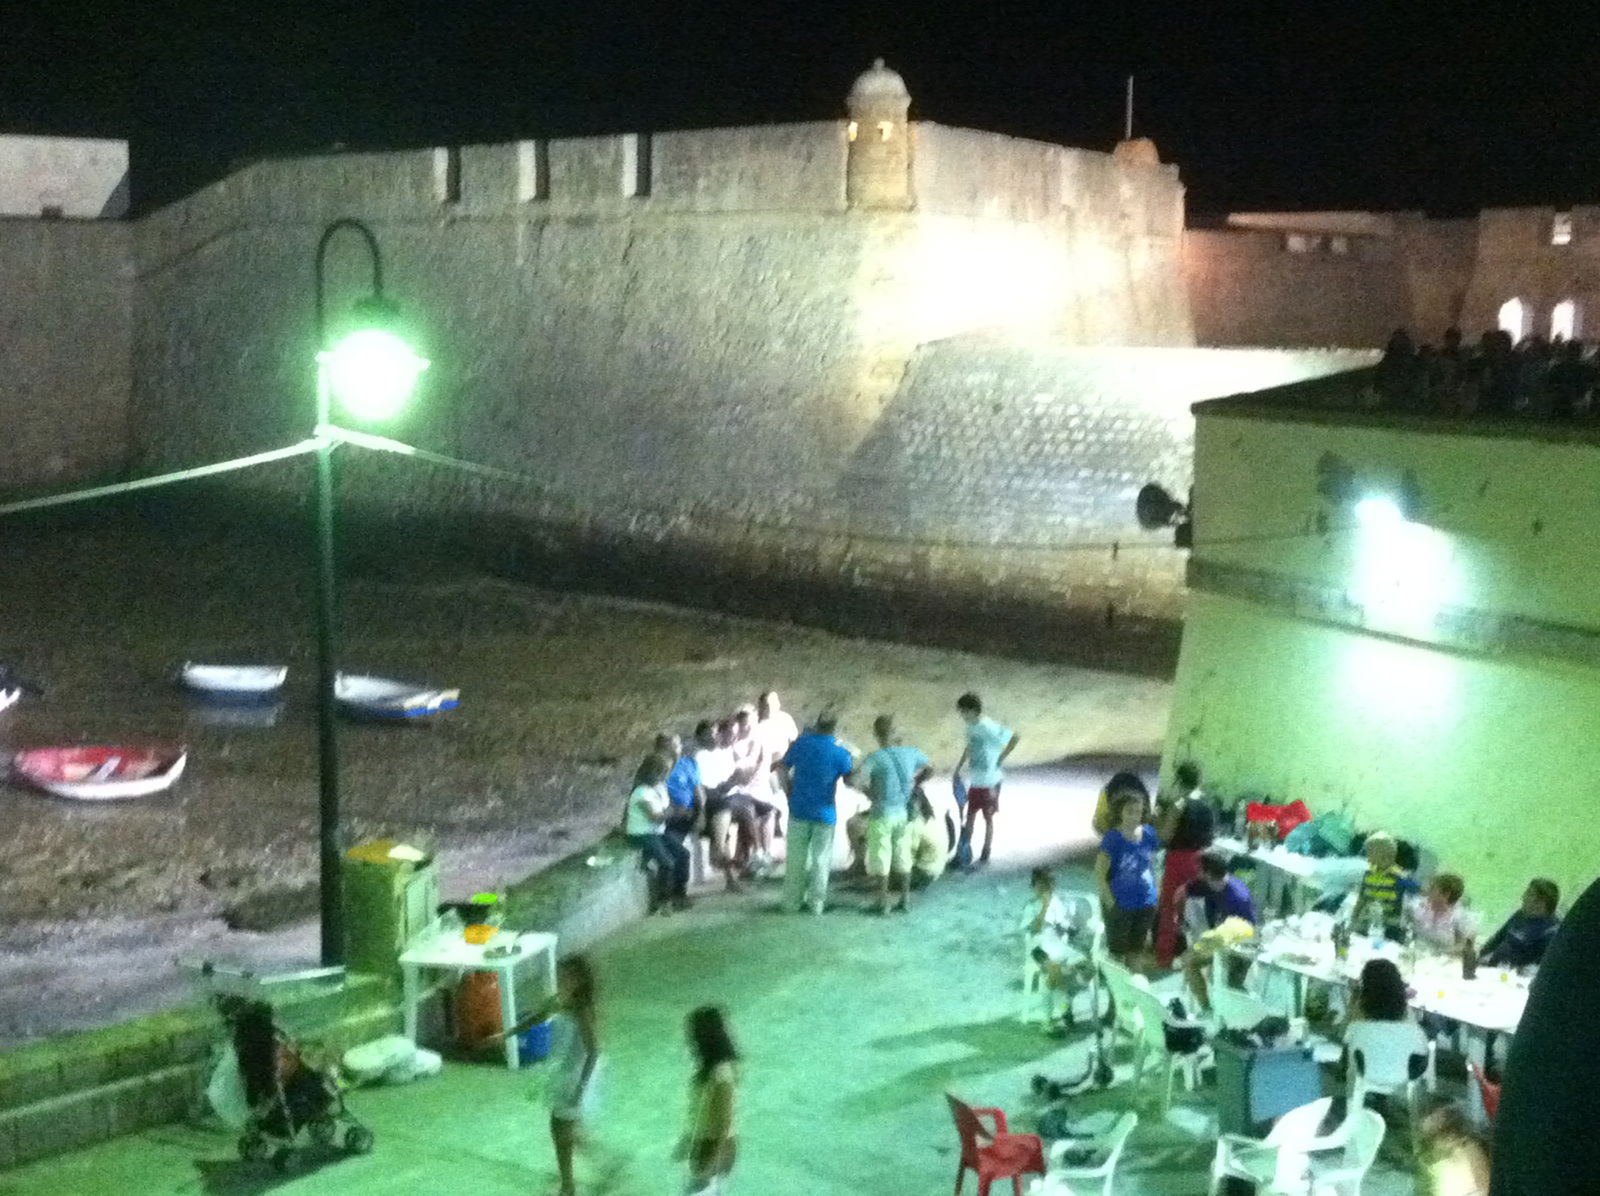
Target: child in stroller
(286, 1096)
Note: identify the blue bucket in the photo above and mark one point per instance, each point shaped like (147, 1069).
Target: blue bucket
(534, 1044)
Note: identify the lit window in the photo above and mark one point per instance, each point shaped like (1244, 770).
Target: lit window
(885, 130)
(851, 130)
(1302, 243)
(1339, 246)
(1564, 321)
(1514, 318)
(447, 174)
(1561, 229)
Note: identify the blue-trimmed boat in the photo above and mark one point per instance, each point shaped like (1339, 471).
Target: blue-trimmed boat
(382, 698)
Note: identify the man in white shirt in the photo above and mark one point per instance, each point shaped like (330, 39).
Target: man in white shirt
(727, 805)
(988, 745)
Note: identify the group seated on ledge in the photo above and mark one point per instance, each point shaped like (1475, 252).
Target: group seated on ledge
(1534, 379)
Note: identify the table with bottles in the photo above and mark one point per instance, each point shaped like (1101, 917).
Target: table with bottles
(1303, 948)
(1293, 879)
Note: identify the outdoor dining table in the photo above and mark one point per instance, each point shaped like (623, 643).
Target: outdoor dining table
(444, 949)
(1303, 879)
(1490, 1003)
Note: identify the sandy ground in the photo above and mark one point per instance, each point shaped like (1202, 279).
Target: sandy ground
(560, 695)
(852, 1029)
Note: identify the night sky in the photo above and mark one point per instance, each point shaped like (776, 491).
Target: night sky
(1399, 104)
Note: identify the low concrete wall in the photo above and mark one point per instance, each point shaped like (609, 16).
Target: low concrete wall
(73, 1090)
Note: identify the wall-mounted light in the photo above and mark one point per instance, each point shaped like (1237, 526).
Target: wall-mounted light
(1155, 508)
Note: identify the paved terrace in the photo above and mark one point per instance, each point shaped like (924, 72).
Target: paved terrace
(852, 1028)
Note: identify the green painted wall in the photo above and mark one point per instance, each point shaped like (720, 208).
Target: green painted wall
(1441, 676)
(1493, 765)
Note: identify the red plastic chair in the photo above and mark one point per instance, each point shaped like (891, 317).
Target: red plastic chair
(1487, 1089)
(1004, 1156)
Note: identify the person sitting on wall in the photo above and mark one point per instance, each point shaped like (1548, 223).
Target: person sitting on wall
(685, 797)
(1439, 919)
(643, 821)
(753, 775)
(1385, 886)
(775, 726)
(725, 809)
(1217, 912)
(1526, 935)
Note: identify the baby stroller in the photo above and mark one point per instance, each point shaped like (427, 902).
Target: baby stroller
(286, 1100)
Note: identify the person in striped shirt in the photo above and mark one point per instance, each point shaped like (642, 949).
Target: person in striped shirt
(1385, 886)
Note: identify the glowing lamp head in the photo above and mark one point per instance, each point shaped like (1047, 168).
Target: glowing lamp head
(371, 369)
(1377, 511)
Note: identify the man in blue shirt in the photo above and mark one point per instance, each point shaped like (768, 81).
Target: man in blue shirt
(686, 798)
(1522, 941)
(812, 769)
(1209, 901)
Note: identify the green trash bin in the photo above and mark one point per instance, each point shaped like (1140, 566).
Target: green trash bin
(388, 903)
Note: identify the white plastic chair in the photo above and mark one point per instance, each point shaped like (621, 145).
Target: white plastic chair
(1121, 984)
(1038, 998)
(1359, 1138)
(1115, 1141)
(1236, 1010)
(1277, 1162)
(1380, 1055)
(1153, 1048)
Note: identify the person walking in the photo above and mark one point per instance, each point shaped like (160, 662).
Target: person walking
(888, 777)
(988, 745)
(708, 1144)
(812, 769)
(573, 1061)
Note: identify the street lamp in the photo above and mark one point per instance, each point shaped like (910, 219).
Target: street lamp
(371, 370)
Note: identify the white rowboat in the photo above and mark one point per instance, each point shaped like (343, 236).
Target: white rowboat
(239, 682)
(381, 697)
(101, 773)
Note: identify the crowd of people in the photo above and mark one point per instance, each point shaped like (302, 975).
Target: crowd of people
(1534, 378)
(756, 776)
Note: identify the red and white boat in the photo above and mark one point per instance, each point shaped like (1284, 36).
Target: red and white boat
(102, 773)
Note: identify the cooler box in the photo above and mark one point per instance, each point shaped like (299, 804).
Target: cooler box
(1256, 1086)
(388, 903)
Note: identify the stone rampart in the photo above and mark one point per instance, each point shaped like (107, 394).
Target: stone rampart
(66, 325)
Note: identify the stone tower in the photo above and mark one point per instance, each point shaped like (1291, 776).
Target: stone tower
(878, 173)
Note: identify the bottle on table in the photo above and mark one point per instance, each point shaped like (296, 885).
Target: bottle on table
(1469, 959)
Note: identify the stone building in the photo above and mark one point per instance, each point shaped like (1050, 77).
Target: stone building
(1351, 278)
(845, 370)
(1398, 614)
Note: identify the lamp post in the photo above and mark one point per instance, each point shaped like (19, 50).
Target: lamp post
(371, 371)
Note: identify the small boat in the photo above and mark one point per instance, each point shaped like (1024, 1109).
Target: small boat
(380, 697)
(101, 773)
(234, 683)
(13, 687)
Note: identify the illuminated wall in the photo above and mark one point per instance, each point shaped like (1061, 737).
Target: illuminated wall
(1442, 675)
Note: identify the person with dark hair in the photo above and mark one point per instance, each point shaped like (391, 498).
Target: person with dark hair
(1186, 825)
(709, 1144)
(929, 846)
(1526, 935)
(1119, 784)
(988, 745)
(1439, 919)
(1380, 994)
(643, 821)
(1544, 1132)
(1127, 880)
(686, 799)
(574, 1058)
(889, 776)
(725, 807)
(1380, 1034)
(811, 771)
(1218, 912)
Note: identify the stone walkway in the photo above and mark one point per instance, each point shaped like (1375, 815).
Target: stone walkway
(852, 1028)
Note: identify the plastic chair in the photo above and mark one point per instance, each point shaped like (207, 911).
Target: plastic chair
(1488, 1090)
(1121, 984)
(1088, 937)
(1237, 1010)
(1381, 1062)
(1004, 1156)
(1274, 1163)
(1105, 1171)
(1153, 1047)
(1359, 1138)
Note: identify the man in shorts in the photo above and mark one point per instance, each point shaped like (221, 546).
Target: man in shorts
(988, 745)
(888, 776)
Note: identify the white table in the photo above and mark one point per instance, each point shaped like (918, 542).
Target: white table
(1306, 877)
(445, 950)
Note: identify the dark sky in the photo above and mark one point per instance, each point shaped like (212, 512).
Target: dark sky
(1289, 104)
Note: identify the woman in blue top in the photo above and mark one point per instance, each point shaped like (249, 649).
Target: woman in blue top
(1128, 880)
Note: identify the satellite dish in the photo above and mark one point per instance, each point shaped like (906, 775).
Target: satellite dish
(1156, 509)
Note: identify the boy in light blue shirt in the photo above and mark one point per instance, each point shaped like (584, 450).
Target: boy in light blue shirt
(988, 745)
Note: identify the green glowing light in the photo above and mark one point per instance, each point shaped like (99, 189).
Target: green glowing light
(372, 372)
